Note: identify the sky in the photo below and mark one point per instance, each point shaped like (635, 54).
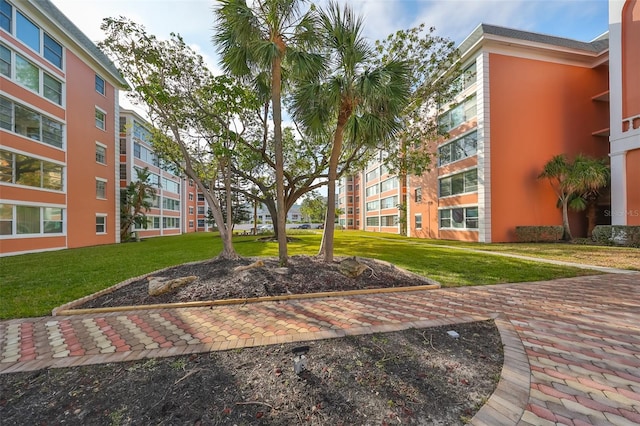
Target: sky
(582, 20)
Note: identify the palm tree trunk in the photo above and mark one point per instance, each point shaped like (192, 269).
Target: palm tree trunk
(281, 224)
(326, 247)
(566, 234)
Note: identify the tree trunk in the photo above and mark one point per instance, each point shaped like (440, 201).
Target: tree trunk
(591, 217)
(277, 145)
(326, 246)
(566, 233)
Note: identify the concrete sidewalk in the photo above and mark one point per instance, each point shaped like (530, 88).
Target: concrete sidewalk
(572, 346)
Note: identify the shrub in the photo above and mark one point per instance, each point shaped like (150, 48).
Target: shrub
(628, 236)
(537, 234)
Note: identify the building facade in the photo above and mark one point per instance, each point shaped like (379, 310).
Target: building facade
(624, 100)
(58, 131)
(173, 207)
(524, 98)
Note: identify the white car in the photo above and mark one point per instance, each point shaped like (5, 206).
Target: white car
(265, 228)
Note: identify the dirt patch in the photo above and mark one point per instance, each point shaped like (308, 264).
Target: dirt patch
(417, 376)
(217, 281)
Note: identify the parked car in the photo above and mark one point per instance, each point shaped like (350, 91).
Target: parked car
(265, 228)
(303, 226)
(321, 226)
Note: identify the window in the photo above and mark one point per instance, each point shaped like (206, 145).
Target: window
(101, 118)
(458, 149)
(52, 51)
(418, 195)
(6, 15)
(200, 223)
(373, 174)
(459, 183)
(373, 221)
(52, 220)
(200, 209)
(101, 189)
(190, 210)
(27, 220)
(123, 171)
(373, 205)
(389, 184)
(372, 190)
(101, 154)
(27, 74)
(466, 78)
(26, 122)
(191, 183)
(417, 219)
(190, 224)
(6, 219)
(191, 196)
(52, 89)
(391, 220)
(123, 146)
(123, 125)
(170, 186)
(389, 202)
(27, 32)
(200, 197)
(30, 171)
(5, 61)
(170, 222)
(101, 224)
(463, 112)
(459, 218)
(100, 85)
(171, 204)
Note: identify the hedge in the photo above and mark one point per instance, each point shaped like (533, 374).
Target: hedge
(617, 234)
(538, 234)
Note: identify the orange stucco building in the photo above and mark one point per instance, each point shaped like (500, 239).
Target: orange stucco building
(525, 98)
(624, 29)
(58, 130)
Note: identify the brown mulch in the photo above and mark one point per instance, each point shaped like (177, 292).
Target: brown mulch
(416, 376)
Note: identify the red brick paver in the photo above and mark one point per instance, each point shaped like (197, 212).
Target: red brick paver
(572, 346)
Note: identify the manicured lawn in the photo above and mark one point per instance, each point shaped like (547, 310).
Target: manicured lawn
(34, 284)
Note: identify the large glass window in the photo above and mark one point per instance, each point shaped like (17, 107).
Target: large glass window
(27, 32)
(459, 183)
(170, 186)
(6, 15)
(51, 132)
(52, 176)
(459, 218)
(373, 221)
(463, 112)
(28, 171)
(171, 204)
(27, 220)
(461, 148)
(6, 114)
(373, 205)
(372, 190)
(27, 74)
(418, 221)
(391, 220)
(5, 61)
(52, 51)
(389, 184)
(6, 166)
(389, 202)
(29, 123)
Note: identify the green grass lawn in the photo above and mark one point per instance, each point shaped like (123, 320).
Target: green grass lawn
(34, 284)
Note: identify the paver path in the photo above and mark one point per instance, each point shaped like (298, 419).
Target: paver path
(572, 346)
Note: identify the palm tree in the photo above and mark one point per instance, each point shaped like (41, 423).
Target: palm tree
(262, 43)
(574, 182)
(358, 100)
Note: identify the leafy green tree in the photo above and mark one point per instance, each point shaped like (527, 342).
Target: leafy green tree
(193, 112)
(435, 80)
(574, 183)
(314, 207)
(135, 201)
(359, 101)
(264, 43)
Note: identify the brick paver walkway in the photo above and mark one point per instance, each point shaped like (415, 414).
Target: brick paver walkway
(572, 346)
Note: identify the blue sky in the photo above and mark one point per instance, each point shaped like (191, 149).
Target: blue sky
(579, 19)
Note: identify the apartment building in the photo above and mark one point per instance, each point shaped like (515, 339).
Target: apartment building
(58, 121)
(524, 98)
(173, 207)
(624, 100)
